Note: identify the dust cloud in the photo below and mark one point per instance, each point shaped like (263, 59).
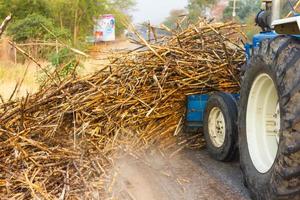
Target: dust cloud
(155, 175)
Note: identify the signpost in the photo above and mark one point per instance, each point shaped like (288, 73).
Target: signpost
(105, 28)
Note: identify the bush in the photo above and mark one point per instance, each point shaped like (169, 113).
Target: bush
(31, 28)
(64, 61)
(63, 64)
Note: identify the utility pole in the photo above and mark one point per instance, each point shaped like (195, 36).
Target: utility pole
(4, 23)
(234, 9)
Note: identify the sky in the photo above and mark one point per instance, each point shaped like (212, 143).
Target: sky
(155, 10)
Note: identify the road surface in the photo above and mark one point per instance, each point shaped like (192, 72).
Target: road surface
(192, 175)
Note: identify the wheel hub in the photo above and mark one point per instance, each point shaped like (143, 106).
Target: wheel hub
(216, 126)
(263, 123)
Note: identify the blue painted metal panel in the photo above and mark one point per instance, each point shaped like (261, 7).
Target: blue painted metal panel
(196, 105)
(236, 96)
(256, 42)
(248, 48)
(262, 36)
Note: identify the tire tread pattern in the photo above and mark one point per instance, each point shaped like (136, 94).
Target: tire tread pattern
(282, 56)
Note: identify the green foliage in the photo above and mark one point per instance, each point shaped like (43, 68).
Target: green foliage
(64, 62)
(5, 8)
(251, 28)
(75, 16)
(61, 57)
(174, 16)
(120, 26)
(246, 12)
(32, 27)
(78, 15)
(245, 9)
(23, 8)
(197, 8)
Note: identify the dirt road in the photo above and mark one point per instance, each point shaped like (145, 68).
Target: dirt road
(192, 175)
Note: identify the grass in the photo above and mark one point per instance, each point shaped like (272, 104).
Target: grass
(11, 74)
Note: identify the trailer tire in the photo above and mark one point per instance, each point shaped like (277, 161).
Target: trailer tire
(226, 105)
(279, 59)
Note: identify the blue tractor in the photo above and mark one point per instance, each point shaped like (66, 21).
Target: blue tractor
(262, 122)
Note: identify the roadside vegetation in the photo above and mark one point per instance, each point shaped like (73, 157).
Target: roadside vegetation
(20, 78)
(70, 20)
(46, 29)
(246, 11)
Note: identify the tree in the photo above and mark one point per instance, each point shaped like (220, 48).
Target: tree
(5, 8)
(198, 8)
(120, 9)
(246, 12)
(174, 16)
(75, 16)
(32, 28)
(22, 8)
(78, 15)
(245, 9)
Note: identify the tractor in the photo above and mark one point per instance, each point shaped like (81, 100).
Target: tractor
(261, 124)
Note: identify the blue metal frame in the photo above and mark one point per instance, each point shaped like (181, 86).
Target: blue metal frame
(196, 105)
(249, 48)
(195, 111)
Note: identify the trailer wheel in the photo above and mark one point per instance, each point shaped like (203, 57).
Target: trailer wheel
(269, 121)
(220, 129)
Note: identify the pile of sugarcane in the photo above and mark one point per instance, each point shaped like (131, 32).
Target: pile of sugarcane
(59, 143)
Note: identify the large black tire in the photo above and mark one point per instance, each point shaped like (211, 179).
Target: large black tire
(280, 59)
(227, 104)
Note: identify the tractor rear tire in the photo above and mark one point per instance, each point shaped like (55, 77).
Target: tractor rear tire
(278, 59)
(225, 105)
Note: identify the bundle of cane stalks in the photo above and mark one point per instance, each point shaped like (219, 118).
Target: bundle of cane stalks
(59, 143)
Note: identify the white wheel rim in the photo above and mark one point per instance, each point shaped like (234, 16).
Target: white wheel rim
(263, 123)
(216, 127)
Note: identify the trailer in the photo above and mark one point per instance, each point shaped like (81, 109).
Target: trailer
(261, 124)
